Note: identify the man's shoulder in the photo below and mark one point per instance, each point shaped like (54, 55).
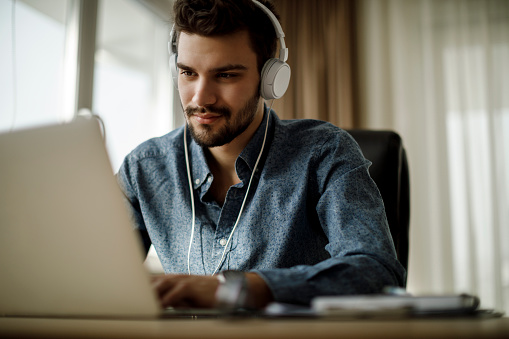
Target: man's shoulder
(304, 124)
(309, 130)
(170, 143)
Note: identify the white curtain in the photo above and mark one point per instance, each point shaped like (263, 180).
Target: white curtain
(437, 72)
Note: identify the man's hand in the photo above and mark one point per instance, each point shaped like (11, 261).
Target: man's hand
(186, 290)
(198, 291)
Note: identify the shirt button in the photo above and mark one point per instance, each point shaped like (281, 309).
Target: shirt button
(197, 181)
(223, 242)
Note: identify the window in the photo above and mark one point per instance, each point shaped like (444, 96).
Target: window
(477, 123)
(132, 90)
(37, 65)
(132, 86)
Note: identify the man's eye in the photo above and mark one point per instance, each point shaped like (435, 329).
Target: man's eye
(226, 75)
(186, 73)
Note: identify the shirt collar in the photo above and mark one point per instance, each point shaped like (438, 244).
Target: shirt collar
(199, 167)
(250, 153)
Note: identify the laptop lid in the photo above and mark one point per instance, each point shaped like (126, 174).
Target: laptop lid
(67, 247)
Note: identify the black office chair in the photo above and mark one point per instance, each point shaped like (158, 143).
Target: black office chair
(390, 172)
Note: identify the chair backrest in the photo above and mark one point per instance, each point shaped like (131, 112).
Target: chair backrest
(389, 170)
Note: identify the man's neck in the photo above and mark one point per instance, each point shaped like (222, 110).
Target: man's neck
(221, 160)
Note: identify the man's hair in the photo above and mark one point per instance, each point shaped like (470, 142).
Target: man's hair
(221, 17)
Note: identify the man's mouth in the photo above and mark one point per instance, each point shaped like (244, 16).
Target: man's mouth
(207, 115)
(206, 118)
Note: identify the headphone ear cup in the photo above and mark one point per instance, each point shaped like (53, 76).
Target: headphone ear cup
(275, 78)
(174, 70)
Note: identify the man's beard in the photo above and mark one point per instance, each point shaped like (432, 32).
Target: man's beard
(231, 129)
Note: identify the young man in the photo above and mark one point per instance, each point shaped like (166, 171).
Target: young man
(290, 203)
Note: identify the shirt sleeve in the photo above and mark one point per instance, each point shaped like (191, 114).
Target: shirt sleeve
(124, 179)
(352, 215)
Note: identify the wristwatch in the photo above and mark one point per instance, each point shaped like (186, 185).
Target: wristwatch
(232, 291)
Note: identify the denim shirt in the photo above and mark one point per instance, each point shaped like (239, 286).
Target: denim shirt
(313, 224)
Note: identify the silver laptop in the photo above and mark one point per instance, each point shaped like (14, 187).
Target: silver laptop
(66, 244)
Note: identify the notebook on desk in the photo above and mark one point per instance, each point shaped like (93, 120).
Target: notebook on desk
(66, 244)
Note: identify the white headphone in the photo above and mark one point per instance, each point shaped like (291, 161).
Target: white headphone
(275, 75)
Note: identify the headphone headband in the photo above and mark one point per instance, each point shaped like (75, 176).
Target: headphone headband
(283, 51)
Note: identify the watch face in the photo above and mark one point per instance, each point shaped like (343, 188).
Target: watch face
(232, 290)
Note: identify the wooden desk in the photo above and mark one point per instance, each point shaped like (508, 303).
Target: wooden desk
(253, 328)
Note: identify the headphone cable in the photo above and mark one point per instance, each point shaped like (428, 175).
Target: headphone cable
(247, 192)
(193, 220)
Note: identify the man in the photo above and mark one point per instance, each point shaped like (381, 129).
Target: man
(290, 203)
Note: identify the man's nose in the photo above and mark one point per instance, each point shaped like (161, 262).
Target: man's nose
(204, 93)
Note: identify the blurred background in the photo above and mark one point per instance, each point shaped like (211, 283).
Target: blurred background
(436, 72)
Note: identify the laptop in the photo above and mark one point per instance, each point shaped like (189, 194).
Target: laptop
(67, 247)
